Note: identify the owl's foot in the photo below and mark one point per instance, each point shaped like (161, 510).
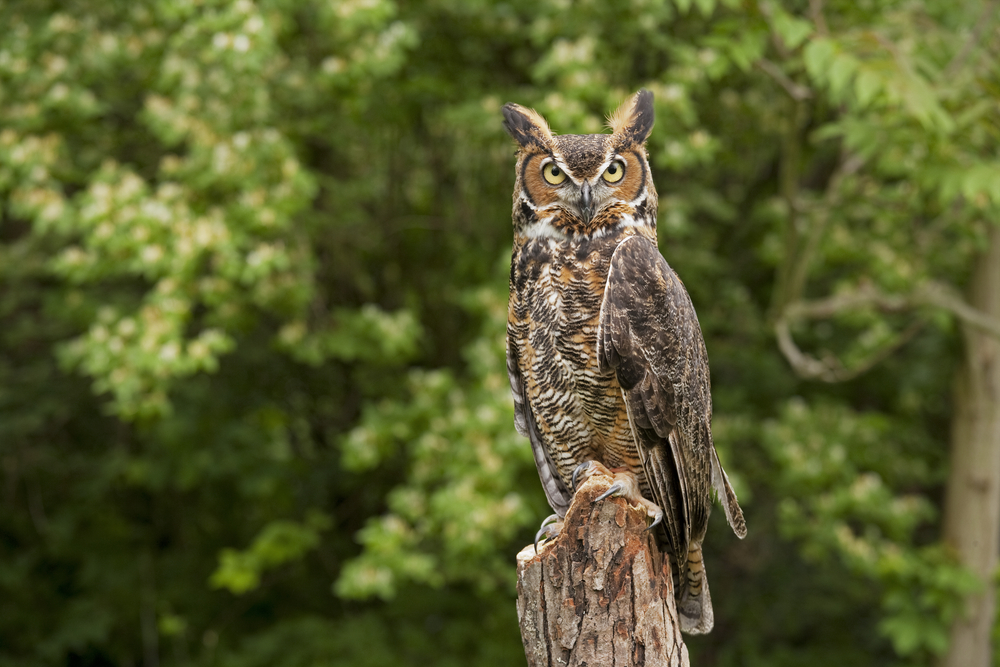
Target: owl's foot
(587, 468)
(549, 529)
(625, 485)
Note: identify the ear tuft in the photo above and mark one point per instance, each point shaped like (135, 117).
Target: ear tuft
(633, 120)
(526, 126)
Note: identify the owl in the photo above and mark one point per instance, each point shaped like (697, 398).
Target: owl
(606, 358)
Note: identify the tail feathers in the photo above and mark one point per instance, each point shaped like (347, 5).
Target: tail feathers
(734, 515)
(694, 604)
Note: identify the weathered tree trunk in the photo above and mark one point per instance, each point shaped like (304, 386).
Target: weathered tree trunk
(972, 502)
(600, 594)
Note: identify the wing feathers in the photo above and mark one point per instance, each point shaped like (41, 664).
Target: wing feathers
(662, 478)
(727, 497)
(524, 421)
(649, 334)
(517, 391)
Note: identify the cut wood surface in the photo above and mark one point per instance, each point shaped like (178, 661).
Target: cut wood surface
(601, 593)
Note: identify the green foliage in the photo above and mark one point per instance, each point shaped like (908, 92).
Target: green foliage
(460, 503)
(253, 402)
(836, 471)
(277, 543)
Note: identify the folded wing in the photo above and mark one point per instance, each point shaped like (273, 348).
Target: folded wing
(649, 333)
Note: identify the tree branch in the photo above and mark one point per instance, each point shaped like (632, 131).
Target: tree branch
(601, 593)
(794, 270)
(946, 298)
(794, 90)
(830, 369)
(816, 13)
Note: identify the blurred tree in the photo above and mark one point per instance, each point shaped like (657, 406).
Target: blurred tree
(253, 407)
(894, 86)
(972, 503)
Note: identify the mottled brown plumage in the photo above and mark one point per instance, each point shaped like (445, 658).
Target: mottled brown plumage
(605, 355)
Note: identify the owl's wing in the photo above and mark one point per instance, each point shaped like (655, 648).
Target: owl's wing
(524, 421)
(649, 333)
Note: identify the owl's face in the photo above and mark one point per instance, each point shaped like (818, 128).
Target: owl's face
(582, 185)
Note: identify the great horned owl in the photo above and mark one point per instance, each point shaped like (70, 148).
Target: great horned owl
(606, 359)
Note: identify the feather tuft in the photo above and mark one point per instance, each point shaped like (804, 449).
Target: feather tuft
(633, 119)
(526, 126)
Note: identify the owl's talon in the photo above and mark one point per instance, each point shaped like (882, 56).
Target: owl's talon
(579, 469)
(625, 485)
(614, 489)
(585, 470)
(548, 529)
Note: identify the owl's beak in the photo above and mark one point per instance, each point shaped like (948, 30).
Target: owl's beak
(586, 202)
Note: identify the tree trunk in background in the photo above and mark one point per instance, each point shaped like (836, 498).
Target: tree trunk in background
(972, 503)
(600, 594)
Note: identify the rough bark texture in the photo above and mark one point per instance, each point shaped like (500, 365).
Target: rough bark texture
(972, 502)
(600, 594)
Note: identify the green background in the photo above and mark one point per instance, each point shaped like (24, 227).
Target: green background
(253, 259)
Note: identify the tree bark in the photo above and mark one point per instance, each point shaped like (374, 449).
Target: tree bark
(972, 502)
(600, 594)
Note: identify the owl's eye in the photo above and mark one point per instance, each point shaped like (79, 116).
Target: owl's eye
(614, 172)
(553, 174)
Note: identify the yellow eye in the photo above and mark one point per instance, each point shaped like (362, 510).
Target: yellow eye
(614, 172)
(553, 174)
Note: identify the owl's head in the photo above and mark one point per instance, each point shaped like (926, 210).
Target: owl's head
(574, 185)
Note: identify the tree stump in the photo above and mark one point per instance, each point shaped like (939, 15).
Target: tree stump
(600, 594)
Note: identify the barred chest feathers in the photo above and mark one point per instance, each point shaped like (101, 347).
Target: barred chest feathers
(556, 291)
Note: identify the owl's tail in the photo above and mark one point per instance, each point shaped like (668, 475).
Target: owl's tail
(694, 603)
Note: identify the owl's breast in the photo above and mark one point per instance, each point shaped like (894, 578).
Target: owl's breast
(556, 292)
